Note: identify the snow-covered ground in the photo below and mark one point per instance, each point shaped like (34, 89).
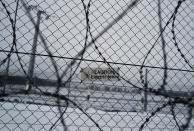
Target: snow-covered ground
(27, 117)
(113, 111)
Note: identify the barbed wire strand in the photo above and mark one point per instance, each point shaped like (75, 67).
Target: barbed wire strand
(100, 54)
(42, 39)
(175, 40)
(59, 78)
(122, 14)
(19, 59)
(188, 119)
(174, 116)
(82, 50)
(160, 33)
(100, 61)
(156, 92)
(152, 114)
(108, 27)
(62, 97)
(13, 23)
(165, 63)
(14, 35)
(118, 18)
(71, 75)
(54, 63)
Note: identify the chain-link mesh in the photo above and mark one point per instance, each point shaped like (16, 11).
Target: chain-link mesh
(96, 65)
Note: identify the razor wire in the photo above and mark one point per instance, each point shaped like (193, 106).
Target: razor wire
(172, 101)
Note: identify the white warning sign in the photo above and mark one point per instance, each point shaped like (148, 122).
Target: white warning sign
(100, 74)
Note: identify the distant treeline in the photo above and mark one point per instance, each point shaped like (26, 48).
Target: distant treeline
(21, 80)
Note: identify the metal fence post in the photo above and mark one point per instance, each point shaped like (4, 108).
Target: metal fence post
(145, 92)
(32, 58)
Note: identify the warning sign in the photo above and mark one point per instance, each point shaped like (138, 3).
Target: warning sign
(100, 74)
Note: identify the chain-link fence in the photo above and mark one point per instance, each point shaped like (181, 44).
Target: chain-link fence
(112, 65)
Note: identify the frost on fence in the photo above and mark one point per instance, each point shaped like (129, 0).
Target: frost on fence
(146, 45)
